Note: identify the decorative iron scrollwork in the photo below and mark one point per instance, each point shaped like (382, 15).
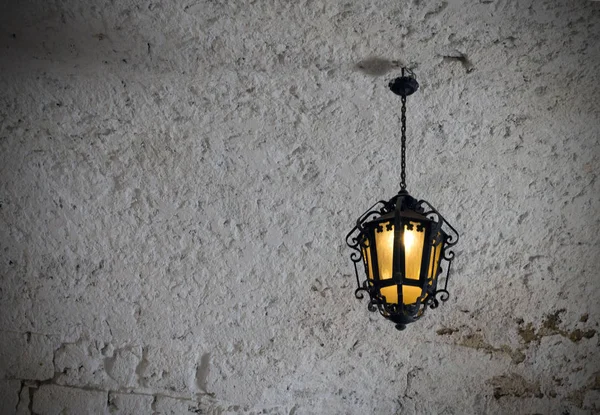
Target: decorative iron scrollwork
(434, 302)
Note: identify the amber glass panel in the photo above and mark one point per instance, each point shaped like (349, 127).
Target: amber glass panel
(410, 294)
(367, 258)
(390, 293)
(384, 243)
(413, 251)
(434, 265)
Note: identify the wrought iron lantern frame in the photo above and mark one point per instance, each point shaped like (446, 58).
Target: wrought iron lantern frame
(399, 214)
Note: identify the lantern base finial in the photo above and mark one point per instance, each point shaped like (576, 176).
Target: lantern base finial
(402, 320)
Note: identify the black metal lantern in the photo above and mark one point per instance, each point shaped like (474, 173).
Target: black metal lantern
(402, 243)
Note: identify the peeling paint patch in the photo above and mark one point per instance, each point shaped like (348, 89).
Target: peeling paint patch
(445, 331)
(550, 327)
(514, 385)
(478, 342)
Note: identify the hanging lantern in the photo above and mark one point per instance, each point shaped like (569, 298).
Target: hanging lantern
(403, 245)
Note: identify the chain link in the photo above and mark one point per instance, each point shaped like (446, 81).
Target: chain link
(403, 145)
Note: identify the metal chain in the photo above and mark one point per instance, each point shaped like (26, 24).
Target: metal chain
(403, 145)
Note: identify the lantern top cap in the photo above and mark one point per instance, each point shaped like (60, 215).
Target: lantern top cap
(407, 214)
(403, 205)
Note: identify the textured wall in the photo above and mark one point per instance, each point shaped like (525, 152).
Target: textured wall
(177, 178)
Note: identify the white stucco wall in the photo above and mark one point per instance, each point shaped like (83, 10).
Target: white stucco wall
(177, 179)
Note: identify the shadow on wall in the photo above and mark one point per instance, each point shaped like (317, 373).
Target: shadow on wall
(375, 66)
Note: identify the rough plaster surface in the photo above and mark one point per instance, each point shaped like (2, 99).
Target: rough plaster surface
(177, 178)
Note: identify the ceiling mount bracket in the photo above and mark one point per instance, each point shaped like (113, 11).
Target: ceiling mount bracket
(404, 86)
